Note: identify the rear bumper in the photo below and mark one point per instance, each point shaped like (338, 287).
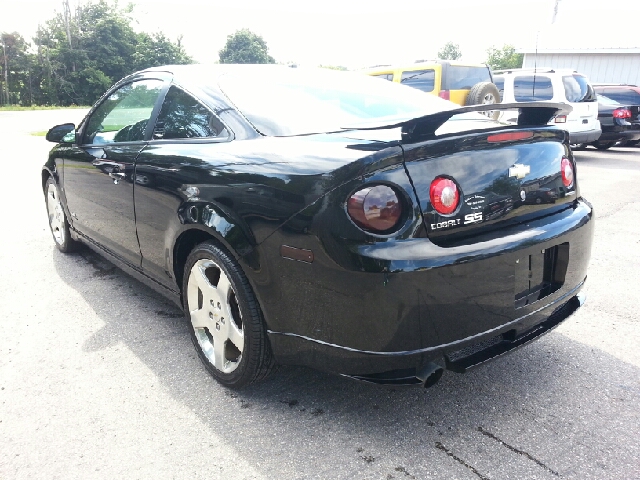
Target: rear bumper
(454, 306)
(584, 137)
(621, 133)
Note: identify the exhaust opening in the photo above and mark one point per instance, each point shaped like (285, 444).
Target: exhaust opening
(430, 374)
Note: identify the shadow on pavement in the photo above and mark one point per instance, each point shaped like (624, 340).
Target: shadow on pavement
(542, 411)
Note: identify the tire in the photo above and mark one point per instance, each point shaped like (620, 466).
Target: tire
(58, 223)
(225, 320)
(484, 93)
(603, 145)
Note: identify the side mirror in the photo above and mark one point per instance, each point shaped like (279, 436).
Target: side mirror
(65, 133)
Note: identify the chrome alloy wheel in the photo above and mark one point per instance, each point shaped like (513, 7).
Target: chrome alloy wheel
(215, 315)
(56, 214)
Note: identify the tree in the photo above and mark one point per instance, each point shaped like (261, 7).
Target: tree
(505, 57)
(156, 49)
(15, 68)
(450, 51)
(81, 53)
(244, 46)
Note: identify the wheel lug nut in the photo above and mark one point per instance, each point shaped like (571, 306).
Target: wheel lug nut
(219, 305)
(211, 315)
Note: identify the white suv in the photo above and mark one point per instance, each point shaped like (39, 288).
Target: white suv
(553, 85)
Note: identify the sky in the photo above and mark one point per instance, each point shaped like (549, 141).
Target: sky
(357, 33)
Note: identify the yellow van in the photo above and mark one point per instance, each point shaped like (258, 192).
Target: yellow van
(461, 83)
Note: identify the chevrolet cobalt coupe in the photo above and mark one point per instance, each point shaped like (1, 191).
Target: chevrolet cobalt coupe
(324, 218)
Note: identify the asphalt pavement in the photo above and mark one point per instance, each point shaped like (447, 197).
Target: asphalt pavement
(98, 377)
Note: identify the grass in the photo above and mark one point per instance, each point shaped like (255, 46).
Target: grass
(39, 134)
(19, 108)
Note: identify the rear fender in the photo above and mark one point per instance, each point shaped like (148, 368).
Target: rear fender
(196, 221)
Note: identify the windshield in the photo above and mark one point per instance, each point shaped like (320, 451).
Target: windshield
(286, 101)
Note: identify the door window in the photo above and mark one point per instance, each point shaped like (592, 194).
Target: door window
(421, 79)
(123, 115)
(182, 116)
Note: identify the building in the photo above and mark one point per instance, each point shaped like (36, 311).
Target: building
(600, 65)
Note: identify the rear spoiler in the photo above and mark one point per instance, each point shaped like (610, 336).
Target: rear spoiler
(529, 114)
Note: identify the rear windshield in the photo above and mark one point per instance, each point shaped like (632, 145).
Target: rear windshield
(286, 101)
(606, 100)
(577, 89)
(421, 79)
(626, 97)
(532, 88)
(463, 78)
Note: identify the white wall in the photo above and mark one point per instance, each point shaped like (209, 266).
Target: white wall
(598, 67)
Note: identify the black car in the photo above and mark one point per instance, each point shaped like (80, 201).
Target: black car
(620, 123)
(324, 218)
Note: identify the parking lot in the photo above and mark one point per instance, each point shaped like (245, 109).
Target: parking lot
(98, 377)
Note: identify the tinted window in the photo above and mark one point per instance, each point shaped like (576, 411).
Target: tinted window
(624, 96)
(286, 101)
(386, 76)
(577, 89)
(532, 88)
(499, 82)
(123, 115)
(463, 78)
(420, 79)
(182, 116)
(602, 100)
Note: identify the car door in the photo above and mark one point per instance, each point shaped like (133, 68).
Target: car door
(185, 131)
(98, 173)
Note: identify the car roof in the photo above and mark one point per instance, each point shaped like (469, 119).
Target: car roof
(536, 70)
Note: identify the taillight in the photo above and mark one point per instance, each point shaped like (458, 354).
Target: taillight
(622, 113)
(560, 119)
(444, 94)
(509, 137)
(567, 172)
(376, 209)
(444, 195)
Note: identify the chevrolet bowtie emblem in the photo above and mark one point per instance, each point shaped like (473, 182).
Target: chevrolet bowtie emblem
(519, 171)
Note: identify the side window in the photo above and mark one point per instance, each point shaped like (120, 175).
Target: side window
(123, 115)
(463, 78)
(385, 76)
(526, 89)
(498, 80)
(577, 89)
(182, 116)
(421, 79)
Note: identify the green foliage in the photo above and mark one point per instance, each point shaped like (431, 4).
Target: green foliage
(75, 59)
(450, 51)
(503, 58)
(244, 46)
